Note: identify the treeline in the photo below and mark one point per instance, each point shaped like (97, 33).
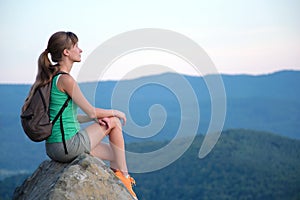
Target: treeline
(244, 164)
(8, 185)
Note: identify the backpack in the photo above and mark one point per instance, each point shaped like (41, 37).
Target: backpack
(35, 118)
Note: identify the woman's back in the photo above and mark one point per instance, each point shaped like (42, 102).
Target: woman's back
(70, 123)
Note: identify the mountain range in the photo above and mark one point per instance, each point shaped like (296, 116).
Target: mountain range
(265, 102)
(247, 162)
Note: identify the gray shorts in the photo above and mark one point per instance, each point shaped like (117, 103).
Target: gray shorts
(78, 144)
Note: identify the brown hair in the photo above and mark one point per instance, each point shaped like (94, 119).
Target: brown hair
(57, 43)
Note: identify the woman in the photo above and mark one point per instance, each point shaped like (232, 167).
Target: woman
(64, 51)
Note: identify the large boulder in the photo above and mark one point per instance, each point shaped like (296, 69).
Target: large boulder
(85, 178)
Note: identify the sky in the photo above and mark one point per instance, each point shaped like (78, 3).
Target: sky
(240, 36)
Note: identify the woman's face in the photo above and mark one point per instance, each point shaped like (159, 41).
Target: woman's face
(75, 53)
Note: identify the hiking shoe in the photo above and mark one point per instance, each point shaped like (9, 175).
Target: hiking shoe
(128, 181)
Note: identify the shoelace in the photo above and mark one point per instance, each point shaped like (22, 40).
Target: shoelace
(132, 181)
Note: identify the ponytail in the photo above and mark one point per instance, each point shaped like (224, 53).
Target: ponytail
(45, 73)
(45, 69)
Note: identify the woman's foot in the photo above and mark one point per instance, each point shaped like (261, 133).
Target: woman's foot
(127, 181)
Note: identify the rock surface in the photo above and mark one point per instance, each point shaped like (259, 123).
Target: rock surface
(85, 178)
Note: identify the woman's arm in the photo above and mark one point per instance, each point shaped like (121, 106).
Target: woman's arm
(67, 84)
(84, 118)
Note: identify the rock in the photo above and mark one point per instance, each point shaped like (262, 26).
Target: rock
(85, 178)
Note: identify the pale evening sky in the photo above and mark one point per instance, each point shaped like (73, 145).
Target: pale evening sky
(240, 36)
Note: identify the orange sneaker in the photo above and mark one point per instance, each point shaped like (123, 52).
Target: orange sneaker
(128, 181)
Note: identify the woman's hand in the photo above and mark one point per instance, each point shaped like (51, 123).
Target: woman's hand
(120, 115)
(104, 122)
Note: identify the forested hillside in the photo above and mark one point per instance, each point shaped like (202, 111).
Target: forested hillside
(243, 165)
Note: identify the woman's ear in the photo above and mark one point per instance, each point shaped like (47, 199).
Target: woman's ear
(66, 52)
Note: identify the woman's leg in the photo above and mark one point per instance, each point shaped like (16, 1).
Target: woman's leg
(118, 147)
(115, 150)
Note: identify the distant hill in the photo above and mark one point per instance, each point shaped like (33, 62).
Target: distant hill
(265, 102)
(244, 164)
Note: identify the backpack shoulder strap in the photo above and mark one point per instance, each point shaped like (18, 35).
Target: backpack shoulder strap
(64, 105)
(61, 110)
(60, 72)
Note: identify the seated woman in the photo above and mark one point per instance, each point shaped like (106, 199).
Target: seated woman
(64, 51)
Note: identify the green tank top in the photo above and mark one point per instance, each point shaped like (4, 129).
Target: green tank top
(69, 116)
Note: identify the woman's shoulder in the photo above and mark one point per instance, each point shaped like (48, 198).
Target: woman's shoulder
(66, 78)
(65, 82)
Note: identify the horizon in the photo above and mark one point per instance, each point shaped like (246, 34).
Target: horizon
(165, 73)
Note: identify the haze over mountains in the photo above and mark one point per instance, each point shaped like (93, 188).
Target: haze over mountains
(266, 103)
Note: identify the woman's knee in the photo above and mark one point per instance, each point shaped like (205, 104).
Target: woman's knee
(115, 126)
(116, 123)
